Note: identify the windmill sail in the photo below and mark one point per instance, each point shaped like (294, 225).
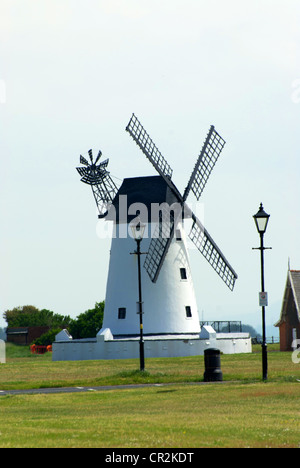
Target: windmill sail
(143, 140)
(211, 252)
(93, 175)
(159, 244)
(208, 157)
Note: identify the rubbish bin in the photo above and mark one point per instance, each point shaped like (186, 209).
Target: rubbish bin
(212, 362)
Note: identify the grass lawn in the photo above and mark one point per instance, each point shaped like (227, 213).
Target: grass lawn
(241, 412)
(24, 370)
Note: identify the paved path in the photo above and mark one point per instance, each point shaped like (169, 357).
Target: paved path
(36, 391)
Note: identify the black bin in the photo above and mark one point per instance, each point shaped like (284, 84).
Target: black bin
(212, 362)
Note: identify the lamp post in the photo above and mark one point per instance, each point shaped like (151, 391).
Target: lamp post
(138, 233)
(261, 219)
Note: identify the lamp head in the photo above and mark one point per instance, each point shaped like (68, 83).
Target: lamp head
(138, 229)
(261, 219)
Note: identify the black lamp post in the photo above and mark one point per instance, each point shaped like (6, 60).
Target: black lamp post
(261, 219)
(138, 230)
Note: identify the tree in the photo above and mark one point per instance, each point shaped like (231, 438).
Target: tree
(87, 324)
(249, 329)
(31, 316)
(18, 315)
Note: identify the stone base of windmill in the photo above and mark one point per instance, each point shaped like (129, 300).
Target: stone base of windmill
(106, 346)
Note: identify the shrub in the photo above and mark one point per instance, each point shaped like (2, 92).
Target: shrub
(47, 338)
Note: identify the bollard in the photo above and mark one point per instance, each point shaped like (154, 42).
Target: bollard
(212, 362)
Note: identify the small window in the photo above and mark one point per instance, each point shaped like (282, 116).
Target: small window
(122, 313)
(188, 311)
(183, 274)
(178, 235)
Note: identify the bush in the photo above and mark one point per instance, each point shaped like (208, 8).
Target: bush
(47, 338)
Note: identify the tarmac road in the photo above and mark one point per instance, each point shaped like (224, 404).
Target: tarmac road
(36, 391)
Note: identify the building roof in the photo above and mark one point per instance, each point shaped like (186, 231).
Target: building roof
(143, 191)
(292, 287)
(17, 331)
(295, 275)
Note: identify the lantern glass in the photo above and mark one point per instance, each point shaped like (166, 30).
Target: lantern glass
(138, 230)
(261, 219)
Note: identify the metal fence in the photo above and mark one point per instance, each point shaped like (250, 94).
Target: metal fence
(269, 339)
(227, 326)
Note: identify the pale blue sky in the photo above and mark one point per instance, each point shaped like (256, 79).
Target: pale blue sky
(72, 73)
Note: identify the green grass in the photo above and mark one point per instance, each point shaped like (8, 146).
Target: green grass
(24, 370)
(242, 411)
(215, 415)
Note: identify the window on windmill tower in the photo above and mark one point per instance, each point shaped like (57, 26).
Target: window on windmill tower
(178, 235)
(122, 313)
(188, 311)
(183, 275)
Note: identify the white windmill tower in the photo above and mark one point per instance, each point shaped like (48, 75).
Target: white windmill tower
(169, 303)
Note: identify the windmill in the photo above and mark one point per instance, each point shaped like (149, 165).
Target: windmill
(168, 291)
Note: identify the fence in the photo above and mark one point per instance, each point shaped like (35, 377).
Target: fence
(227, 326)
(269, 339)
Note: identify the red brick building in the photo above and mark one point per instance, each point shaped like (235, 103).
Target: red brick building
(289, 322)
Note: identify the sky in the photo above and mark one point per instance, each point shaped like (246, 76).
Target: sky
(71, 75)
